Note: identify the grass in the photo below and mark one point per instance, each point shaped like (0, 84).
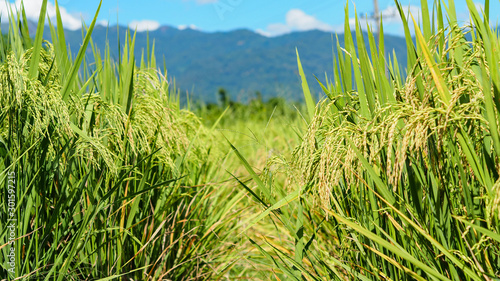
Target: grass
(393, 176)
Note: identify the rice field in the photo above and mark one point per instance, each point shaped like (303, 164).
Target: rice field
(392, 175)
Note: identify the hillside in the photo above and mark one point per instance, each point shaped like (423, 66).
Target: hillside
(241, 61)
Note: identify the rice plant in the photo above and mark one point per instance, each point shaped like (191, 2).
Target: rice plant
(112, 179)
(396, 177)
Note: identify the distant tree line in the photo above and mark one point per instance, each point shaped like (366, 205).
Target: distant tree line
(255, 109)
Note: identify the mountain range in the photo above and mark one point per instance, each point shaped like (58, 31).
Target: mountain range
(240, 61)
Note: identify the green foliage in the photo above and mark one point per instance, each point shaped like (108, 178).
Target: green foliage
(110, 175)
(396, 176)
(256, 110)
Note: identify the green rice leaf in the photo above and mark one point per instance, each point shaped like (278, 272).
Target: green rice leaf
(262, 187)
(305, 88)
(281, 203)
(398, 250)
(35, 57)
(72, 76)
(441, 86)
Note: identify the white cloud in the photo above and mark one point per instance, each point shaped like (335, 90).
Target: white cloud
(298, 20)
(275, 29)
(391, 19)
(144, 25)
(191, 26)
(32, 8)
(103, 22)
(295, 20)
(263, 32)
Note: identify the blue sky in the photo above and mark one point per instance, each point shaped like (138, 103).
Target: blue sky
(269, 18)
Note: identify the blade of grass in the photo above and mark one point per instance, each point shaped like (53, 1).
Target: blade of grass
(35, 57)
(394, 249)
(281, 203)
(255, 177)
(72, 76)
(305, 88)
(443, 90)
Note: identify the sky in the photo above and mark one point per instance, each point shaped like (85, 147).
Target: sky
(269, 18)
